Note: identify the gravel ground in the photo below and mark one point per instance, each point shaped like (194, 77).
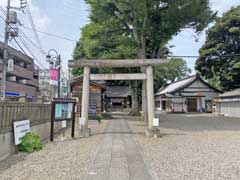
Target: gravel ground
(58, 160)
(192, 147)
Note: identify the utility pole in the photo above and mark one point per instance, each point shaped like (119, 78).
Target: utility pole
(11, 18)
(5, 54)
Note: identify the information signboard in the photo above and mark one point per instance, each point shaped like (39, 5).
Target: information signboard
(62, 110)
(20, 129)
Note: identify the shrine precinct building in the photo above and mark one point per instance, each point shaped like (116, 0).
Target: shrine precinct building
(96, 97)
(191, 94)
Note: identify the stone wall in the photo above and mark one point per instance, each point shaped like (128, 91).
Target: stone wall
(38, 114)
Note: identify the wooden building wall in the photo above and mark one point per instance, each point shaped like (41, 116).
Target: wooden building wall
(95, 97)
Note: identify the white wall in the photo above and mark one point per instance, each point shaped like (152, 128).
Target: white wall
(231, 109)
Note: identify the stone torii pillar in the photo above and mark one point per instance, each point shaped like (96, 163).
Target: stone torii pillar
(150, 103)
(127, 63)
(84, 130)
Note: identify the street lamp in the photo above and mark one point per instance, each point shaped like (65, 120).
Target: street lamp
(55, 62)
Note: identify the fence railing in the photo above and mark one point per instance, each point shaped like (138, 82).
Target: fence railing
(12, 111)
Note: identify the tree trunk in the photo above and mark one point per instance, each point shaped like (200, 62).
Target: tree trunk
(134, 92)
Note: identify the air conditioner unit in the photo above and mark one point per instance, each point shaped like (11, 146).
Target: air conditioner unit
(23, 81)
(12, 78)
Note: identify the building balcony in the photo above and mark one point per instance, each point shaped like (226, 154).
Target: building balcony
(33, 82)
(20, 88)
(20, 72)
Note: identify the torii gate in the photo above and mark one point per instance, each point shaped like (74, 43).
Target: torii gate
(147, 76)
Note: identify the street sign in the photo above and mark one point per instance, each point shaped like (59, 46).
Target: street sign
(155, 122)
(20, 129)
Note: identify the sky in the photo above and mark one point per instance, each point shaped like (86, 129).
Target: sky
(66, 18)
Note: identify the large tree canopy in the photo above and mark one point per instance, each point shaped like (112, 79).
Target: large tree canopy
(219, 60)
(121, 29)
(144, 25)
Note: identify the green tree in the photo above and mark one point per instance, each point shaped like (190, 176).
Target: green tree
(219, 60)
(138, 28)
(176, 69)
(150, 23)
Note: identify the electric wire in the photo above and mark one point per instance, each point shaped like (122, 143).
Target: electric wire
(50, 34)
(31, 53)
(33, 25)
(26, 46)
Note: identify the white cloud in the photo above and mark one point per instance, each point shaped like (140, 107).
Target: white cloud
(223, 5)
(40, 19)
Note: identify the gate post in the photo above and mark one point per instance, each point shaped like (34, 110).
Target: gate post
(85, 131)
(150, 99)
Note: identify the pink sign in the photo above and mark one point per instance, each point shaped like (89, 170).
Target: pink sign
(53, 76)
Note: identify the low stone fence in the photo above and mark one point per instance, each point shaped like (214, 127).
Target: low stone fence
(40, 122)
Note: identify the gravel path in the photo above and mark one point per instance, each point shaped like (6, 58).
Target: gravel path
(192, 147)
(58, 160)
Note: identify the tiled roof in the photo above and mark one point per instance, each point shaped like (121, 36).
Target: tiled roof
(233, 93)
(176, 85)
(80, 79)
(117, 91)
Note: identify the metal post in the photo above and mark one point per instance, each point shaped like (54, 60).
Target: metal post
(5, 55)
(59, 75)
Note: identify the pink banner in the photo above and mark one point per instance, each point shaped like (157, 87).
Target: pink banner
(53, 76)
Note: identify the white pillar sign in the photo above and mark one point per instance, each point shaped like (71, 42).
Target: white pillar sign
(20, 129)
(64, 124)
(81, 121)
(155, 122)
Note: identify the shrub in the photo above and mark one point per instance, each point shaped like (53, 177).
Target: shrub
(98, 118)
(30, 142)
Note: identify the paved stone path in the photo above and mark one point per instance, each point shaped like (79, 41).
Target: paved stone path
(117, 157)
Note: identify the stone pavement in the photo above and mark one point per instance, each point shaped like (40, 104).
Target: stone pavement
(117, 157)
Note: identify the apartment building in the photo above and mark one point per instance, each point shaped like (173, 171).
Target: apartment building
(23, 80)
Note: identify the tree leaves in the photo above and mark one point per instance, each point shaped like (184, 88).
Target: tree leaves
(219, 56)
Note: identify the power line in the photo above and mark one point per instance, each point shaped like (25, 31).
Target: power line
(32, 54)
(33, 25)
(36, 46)
(53, 35)
(187, 56)
(26, 46)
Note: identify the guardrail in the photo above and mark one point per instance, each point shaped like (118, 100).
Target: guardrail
(11, 111)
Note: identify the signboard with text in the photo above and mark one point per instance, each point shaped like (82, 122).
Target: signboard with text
(62, 110)
(92, 111)
(20, 129)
